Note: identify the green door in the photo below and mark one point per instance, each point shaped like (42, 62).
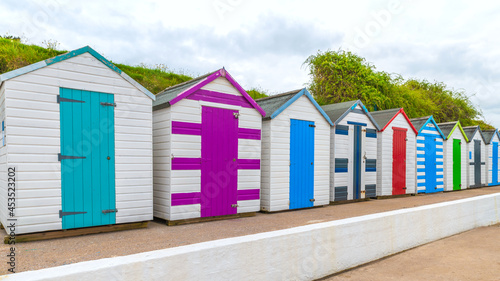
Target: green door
(87, 158)
(457, 165)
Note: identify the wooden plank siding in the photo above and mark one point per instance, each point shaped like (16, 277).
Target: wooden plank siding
(470, 159)
(343, 146)
(276, 156)
(33, 128)
(385, 157)
(166, 145)
(448, 160)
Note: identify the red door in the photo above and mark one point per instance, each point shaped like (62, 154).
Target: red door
(399, 161)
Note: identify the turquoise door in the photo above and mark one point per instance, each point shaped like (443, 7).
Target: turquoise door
(430, 165)
(87, 158)
(301, 164)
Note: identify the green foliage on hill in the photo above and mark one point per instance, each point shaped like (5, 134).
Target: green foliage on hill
(338, 76)
(14, 54)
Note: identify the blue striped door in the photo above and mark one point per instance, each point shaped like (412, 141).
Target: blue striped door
(494, 165)
(301, 164)
(357, 162)
(87, 158)
(430, 165)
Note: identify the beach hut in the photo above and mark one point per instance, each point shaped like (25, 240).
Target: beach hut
(295, 152)
(455, 156)
(492, 139)
(476, 155)
(207, 149)
(353, 151)
(77, 145)
(430, 166)
(396, 153)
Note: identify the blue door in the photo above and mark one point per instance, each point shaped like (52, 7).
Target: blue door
(430, 165)
(87, 158)
(301, 164)
(494, 166)
(357, 162)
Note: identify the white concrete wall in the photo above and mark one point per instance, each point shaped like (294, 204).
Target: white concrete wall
(302, 253)
(343, 147)
(385, 157)
(448, 160)
(33, 136)
(279, 155)
(168, 182)
(470, 159)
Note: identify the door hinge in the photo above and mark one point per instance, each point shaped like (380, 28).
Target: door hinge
(110, 211)
(312, 125)
(234, 205)
(236, 115)
(62, 157)
(62, 214)
(404, 188)
(312, 200)
(59, 100)
(406, 139)
(108, 104)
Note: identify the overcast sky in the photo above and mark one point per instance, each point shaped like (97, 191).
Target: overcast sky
(264, 43)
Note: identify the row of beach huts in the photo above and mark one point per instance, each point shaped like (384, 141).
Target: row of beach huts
(84, 145)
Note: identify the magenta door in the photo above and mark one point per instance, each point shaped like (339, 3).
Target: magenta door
(219, 156)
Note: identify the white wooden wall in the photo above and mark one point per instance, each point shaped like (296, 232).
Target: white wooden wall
(169, 181)
(3, 163)
(448, 160)
(429, 129)
(161, 162)
(489, 163)
(342, 146)
(385, 157)
(470, 159)
(276, 185)
(33, 136)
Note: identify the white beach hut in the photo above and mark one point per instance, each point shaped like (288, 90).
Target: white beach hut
(396, 161)
(353, 151)
(77, 145)
(295, 152)
(492, 138)
(476, 155)
(207, 149)
(455, 156)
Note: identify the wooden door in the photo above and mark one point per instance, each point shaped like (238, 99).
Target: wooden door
(87, 158)
(301, 164)
(399, 161)
(219, 156)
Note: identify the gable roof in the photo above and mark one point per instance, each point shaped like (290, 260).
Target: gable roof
(274, 105)
(385, 117)
(421, 122)
(32, 67)
(176, 93)
(489, 135)
(470, 131)
(449, 127)
(337, 111)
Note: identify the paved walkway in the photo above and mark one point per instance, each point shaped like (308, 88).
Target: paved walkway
(472, 255)
(43, 254)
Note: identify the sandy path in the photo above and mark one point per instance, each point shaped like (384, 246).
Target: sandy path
(472, 255)
(42, 254)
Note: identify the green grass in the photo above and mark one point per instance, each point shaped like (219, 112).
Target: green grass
(14, 55)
